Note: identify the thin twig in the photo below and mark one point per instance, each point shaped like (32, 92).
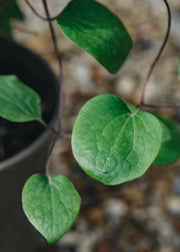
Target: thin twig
(37, 14)
(158, 55)
(59, 62)
(60, 81)
(34, 10)
(47, 126)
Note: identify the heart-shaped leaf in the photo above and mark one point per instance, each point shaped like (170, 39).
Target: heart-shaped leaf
(113, 145)
(18, 102)
(170, 149)
(51, 205)
(91, 26)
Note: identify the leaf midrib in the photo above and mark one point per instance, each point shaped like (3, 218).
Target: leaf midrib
(116, 139)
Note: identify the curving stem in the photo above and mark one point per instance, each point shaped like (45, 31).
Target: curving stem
(157, 57)
(37, 14)
(59, 62)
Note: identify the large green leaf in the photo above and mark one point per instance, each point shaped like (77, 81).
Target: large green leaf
(113, 145)
(170, 150)
(9, 10)
(51, 205)
(18, 102)
(98, 31)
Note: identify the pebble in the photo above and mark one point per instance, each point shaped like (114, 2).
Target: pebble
(173, 205)
(176, 185)
(125, 85)
(83, 240)
(115, 210)
(175, 28)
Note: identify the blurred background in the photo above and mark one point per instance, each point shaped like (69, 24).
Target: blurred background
(142, 215)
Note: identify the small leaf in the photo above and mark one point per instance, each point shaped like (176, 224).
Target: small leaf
(18, 102)
(9, 10)
(170, 150)
(110, 144)
(91, 26)
(51, 205)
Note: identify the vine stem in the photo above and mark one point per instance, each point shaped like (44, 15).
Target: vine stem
(49, 19)
(58, 132)
(47, 168)
(37, 14)
(47, 126)
(157, 57)
(59, 62)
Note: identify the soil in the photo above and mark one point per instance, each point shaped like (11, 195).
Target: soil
(14, 137)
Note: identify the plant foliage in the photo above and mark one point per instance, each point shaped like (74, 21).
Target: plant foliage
(113, 145)
(18, 102)
(51, 204)
(170, 149)
(98, 31)
(111, 140)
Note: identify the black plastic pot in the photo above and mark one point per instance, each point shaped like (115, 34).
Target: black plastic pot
(16, 233)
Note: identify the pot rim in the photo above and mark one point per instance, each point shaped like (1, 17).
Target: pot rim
(31, 148)
(44, 134)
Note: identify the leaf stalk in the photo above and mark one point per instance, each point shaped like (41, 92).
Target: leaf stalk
(158, 55)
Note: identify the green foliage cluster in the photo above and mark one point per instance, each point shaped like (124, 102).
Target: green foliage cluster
(112, 141)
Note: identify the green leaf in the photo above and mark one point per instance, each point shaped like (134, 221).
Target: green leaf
(51, 205)
(166, 134)
(110, 144)
(170, 150)
(9, 10)
(98, 31)
(18, 102)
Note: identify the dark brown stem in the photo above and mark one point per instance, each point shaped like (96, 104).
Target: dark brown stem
(59, 62)
(158, 55)
(58, 132)
(47, 126)
(37, 14)
(34, 10)
(60, 81)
